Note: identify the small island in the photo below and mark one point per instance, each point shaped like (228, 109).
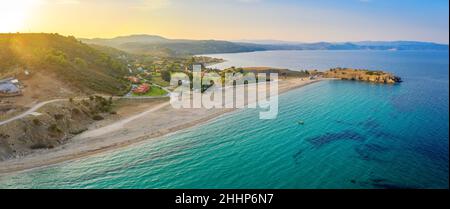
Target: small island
(362, 75)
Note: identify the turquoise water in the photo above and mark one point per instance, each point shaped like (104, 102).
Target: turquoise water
(356, 135)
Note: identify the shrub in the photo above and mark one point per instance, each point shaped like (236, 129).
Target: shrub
(85, 103)
(165, 75)
(99, 98)
(59, 116)
(4, 136)
(40, 146)
(80, 62)
(37, 122)
(54, 128)
(98, 117)
(76, 111)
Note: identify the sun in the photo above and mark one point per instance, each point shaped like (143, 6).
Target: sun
(13, 14)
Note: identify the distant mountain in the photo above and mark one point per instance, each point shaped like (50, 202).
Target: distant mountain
(60, 60)
(401, 45)
(187, 47)
(365, 45)
(268, 42)
(160, 46)
(116, 42)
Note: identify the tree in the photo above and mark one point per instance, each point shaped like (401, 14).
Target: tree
(165, 75)
(80, 62)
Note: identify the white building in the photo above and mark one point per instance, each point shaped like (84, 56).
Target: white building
(9, 86)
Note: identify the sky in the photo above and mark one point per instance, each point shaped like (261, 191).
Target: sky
(289, 20)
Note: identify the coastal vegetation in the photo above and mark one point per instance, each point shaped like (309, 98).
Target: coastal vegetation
(282, 73)
(79, 66)
(53, 126)
(362, 75)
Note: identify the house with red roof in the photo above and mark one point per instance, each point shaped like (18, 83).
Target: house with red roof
(142, 89)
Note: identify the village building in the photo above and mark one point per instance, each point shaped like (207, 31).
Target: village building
(10, 87)
(134, 79)
(140, 69)
(142, 89)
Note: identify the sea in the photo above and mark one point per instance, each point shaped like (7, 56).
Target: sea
(355, 135)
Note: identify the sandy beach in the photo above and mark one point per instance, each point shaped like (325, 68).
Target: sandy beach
(157, 119)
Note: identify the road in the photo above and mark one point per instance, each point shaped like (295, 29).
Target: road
(31, 110)
(35, 107)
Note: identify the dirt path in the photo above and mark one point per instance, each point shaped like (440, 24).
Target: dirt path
(120, 124)
(31, 110)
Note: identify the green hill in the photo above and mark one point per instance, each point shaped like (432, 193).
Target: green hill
(163, 47)
(79, 66)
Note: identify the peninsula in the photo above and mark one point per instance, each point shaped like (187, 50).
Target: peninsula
(362, 75)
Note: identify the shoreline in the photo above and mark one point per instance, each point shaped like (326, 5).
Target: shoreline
(118, 135)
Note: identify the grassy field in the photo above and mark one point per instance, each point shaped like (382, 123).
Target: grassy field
(154, 92)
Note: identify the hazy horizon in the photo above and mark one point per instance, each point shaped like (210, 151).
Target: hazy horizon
(256, 40)
(234, 20)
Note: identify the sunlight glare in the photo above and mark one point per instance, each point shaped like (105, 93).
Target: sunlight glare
(13, 14)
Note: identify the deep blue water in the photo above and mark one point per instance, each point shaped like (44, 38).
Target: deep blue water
(356, 135)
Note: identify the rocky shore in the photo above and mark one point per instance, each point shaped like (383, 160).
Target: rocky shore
(362, 75)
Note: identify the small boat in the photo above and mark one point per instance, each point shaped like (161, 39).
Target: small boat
(301, 122)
